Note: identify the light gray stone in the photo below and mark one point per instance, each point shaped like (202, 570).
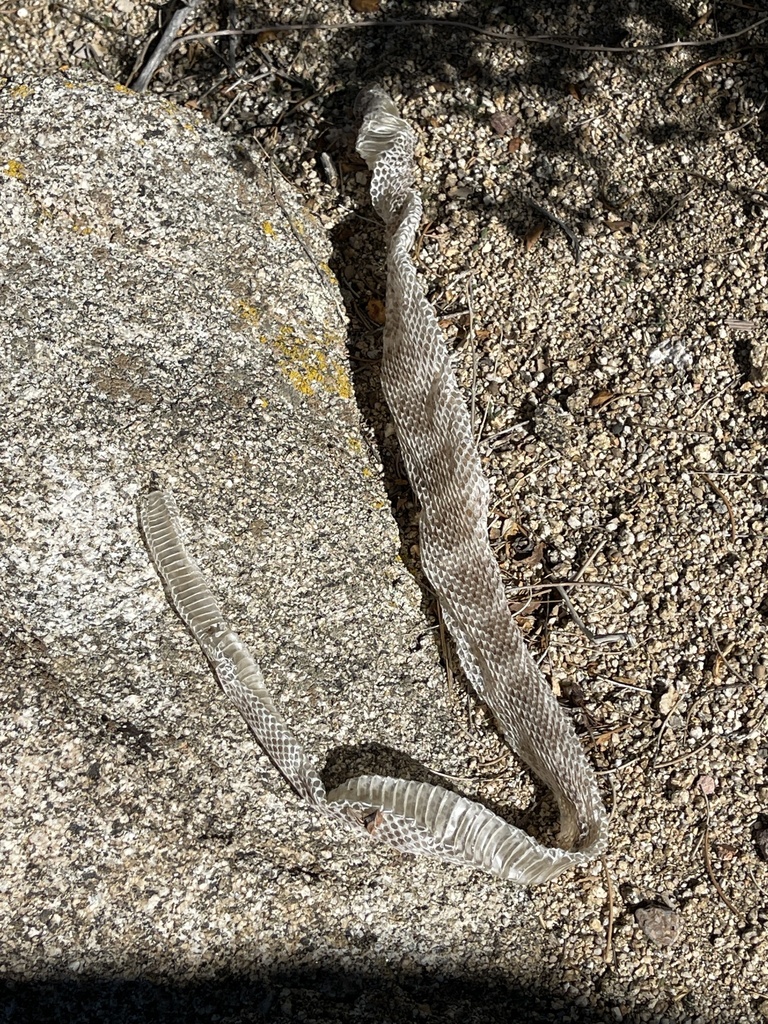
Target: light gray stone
(166, 308)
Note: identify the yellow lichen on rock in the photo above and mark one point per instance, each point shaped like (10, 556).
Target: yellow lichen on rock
(268, 228)
(15, 169)
(343, 385)
(250, 314)
(306, 362)
(20, 92)
(328, 272)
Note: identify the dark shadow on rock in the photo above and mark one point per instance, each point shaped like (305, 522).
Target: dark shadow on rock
(348, 762)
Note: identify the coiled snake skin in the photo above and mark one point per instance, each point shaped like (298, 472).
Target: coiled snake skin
(434, 431)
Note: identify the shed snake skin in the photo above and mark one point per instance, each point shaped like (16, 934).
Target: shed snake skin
(434, 431)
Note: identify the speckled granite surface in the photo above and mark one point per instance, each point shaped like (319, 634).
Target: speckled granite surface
(162, 314)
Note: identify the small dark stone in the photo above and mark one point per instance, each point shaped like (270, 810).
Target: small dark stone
(761, 837)
(503, 123)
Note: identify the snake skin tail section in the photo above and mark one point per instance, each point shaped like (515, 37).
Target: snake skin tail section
(239, 675)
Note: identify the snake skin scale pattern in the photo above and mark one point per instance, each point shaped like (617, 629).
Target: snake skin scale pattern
(435, 436)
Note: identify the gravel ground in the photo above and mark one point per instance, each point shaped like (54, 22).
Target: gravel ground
(618, 375)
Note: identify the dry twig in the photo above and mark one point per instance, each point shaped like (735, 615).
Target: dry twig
(167, 42)
(678, 85)
(608, 951)
(708, 864)
(445, 650)
(684, 757)
(567, 231)
(711, 483)
(489, 33)
(230, 7)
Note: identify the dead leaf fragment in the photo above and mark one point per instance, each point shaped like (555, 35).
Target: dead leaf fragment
(533, 235)
(660, 924)
(511, 528)
(706, 784)
(605, 738)
(525, 551)
(514, 144)
(600, 398)
(618, 225)
(372, 820)
(376, 310)
(726, 852)
(669, 701)
(364, 6)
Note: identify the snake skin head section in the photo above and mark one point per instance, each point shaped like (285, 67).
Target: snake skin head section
(386, 142)
(374, 100)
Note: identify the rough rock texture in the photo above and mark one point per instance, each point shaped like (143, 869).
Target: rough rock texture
(623, 421)
(166, 308)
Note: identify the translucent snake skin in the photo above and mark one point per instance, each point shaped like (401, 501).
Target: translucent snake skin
(434, 431)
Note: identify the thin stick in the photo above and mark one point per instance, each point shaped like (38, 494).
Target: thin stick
(295, 57)
(686, 755)
(708, 864)
(489, 406)
(677, 87)
(608, 951)
(445, 649)
(660, 736)
(724, 658)
(567, 231)
(705, 477)
(595, 638)
(712, 398)
(501, 434)
(298, 234)
(167, 42)
(507, 37)
(230, 7)
(676, 205)
(757, 884)
(532, 472)
(619, 767)
(725, 187)
(626, 686)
